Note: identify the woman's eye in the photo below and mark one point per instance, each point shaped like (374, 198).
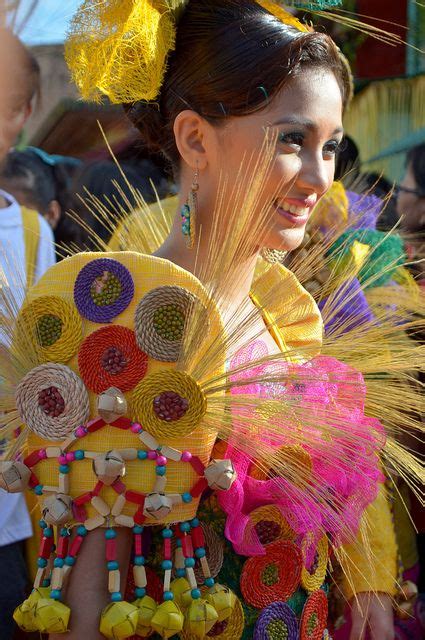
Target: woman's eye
(294, 138)
(331, 148)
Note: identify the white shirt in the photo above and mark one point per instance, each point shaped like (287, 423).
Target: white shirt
(15, 523)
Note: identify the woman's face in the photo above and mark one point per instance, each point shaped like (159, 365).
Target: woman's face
(410, 207)
(306, 120)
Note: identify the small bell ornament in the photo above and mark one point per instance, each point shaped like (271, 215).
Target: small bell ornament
(157, 505)
(109, 467)
(57, 509)
(111, 405)
(220, 474)
(14, 476)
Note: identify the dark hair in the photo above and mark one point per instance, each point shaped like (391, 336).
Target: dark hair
(12, 46)
(347, 160)
(416, 159)
(26, 172)
(231, 58)
(98, 179)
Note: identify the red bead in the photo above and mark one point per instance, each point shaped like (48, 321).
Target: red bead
(122, 423)
(46, 547)
(79, 511)
(98, 488)
(197, 465)
(139, 517)
(198, 537)
(199, 487)
(62, 548)
(32, 459)
(134, 497)
(167, 549)
(85, 497)
(76, 545)
(187, 546)
(95, 425)
(138, 544)
(33, 481)
(119, 486)
(111, 549)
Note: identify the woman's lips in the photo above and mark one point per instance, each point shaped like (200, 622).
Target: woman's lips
(296, 214)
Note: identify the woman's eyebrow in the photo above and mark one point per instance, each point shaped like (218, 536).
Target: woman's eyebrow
(308, 124)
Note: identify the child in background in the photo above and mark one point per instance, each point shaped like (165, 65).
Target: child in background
(26, 251)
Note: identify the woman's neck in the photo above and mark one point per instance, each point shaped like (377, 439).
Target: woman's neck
(233, 290)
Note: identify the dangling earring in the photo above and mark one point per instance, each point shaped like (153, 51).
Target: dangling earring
(189, 212)
(273, 255)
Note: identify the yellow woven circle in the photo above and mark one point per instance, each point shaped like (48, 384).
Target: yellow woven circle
(118, 48)
(266, 514)
(232, 628)
(313, 581)
(160, 382)
(28, 336)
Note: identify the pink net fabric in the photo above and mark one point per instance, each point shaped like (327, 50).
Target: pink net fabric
(343, 445)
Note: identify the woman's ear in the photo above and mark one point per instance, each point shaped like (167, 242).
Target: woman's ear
(192, 133)
(53, 213)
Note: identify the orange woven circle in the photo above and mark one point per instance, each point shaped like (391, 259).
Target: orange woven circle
(93, 350)
(283, 559)
(314, 617)
(142, 407)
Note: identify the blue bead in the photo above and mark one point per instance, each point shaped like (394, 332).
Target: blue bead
(38, 490)
(161, 470)
(185, 527)
(64, 468)
(189, 563)
(166, 565)
(168, 595)
(200, 552)
(180, 573)
(46, 583)
(41, 563)
(178, 543)
(112, 565)
(140, 592)
(209, 582)
(69, 561)
(59, 562)
(116, 596)
(137, 529)
(196, 594)
(185, 210)
(79, 454)
(48, 532)
(55, 594)
(186, 497)
(142, 455)
(139, 561)
(194, 523)
(167, 533)
(110, 534)
(81, 531)
(64, 532)
(42, 524)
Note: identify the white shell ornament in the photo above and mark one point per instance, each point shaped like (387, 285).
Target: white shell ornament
(14, 476)
(109, 467)
(57, 509)
(220, 474)
(157, 505)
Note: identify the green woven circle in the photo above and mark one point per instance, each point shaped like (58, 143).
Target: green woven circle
(106, 289)
(277, 630)
(49, 330)
(270, 575)
(312, 623)
(168, 322)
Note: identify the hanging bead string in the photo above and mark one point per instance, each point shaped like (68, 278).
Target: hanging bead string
(45, 551)
(167, 563)
(183, 533)
(139, 570)
(198, 538)
(114, 574)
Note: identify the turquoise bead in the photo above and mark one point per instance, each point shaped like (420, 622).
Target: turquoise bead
(194, 523)
(42, 524)
(81, 531)
(69, 561)
(139, 561)
(167, 533)
(168, 595)
(116, 596)
(196, 594)
(180, 573)
(140, 592)
(64, 468)
(167, 565)
(112, 565)
(161, 471)
(142, 455)
(200, 552)
(137, 529)
(189, 563)
(110, 534)
(59, 562)
(184, 527)
(186, 497)
(55, 594)
(79, 455)
(209, 582)
(38, 490)
(42, 563)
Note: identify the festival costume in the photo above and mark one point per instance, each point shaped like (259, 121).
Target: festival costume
(137, 403)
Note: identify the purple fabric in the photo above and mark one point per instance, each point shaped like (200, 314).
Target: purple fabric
(352, 314)
(363, 210)
(84, 282)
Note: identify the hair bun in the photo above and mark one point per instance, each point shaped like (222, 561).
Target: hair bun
(147, 118)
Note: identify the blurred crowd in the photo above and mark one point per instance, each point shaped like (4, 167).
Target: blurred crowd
(48, 203)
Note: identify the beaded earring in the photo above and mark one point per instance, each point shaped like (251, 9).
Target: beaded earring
(189, 212)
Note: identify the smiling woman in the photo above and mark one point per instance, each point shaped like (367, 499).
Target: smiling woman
(229, 396)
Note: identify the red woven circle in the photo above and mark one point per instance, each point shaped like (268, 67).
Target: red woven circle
(316, 605)
(284, 559)
(94, 365)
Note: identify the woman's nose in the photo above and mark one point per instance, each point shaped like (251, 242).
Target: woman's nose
(317, 174)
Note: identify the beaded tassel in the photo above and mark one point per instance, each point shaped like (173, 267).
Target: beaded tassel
(167, 563)
(139, 571)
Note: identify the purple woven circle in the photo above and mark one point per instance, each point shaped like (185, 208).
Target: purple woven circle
(83, 285)
(275, 613)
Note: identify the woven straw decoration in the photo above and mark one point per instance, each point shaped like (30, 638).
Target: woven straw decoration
(313, 581)
(314, 617)
(230, 629)
(276, 621)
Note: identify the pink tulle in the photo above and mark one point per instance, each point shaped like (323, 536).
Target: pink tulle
(344, 478)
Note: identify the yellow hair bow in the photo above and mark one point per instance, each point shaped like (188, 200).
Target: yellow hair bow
(119, 48)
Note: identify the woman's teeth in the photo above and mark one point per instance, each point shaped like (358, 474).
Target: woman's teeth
(291, 208)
